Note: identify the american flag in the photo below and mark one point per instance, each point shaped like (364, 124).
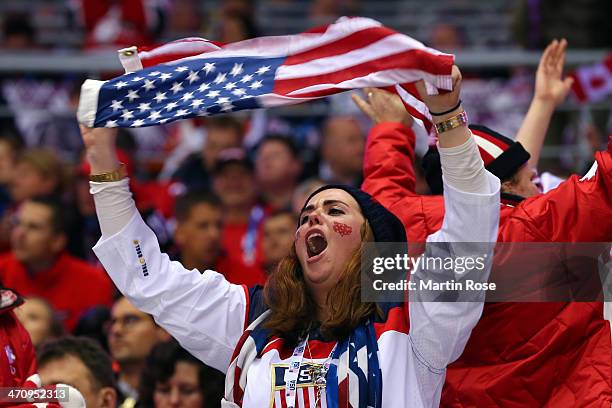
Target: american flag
(261, 72)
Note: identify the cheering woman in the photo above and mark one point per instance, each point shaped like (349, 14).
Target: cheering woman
(307, 339)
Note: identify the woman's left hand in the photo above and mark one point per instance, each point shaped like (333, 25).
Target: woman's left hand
(443, 101)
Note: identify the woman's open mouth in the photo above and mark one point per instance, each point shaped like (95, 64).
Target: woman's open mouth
(316, 244)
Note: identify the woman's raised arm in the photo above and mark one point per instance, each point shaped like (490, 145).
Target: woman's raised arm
(203, 311)
(440, 329)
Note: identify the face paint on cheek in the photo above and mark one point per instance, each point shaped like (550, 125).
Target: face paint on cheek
(342, 229)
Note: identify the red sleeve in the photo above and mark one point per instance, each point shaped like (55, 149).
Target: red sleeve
(578, 210)
(28, 354)
(388, 166)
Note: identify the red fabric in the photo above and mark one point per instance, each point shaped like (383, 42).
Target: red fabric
(233, 266)
(14, 341)
(70, 285)
(130, 16)
(519, 354)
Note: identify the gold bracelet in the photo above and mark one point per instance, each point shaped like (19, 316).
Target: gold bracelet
(461, 119)
(107, 177)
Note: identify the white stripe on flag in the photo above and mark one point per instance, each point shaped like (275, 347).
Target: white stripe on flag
(353, 392)
(414, 102)
(393, 44)
(375, 79)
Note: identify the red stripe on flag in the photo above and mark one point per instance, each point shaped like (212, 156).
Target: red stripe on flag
(343, 45)
(411, 59)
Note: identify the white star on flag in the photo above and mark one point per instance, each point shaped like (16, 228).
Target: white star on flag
(203, 87)
(116, 105)
(160, 96)
(138, 123)
(176, 87)
(165, 76)
(246, 78)
(148, 85)
(193, 76)
(220, 78)
(237, 69)
(196, 103)
(226, 107)
(132, 94)
(213, 94)
(154, 73)
(255, 85)
(127, 114)
(239, 92)
(230, 86)
(181, 112)
(137, 78)
(154, 115)
(144, 107)
(121, 84)
(171, 106)
(209, 67)
(263, 70)
(187, 96)
(111, 124)
(182, 69)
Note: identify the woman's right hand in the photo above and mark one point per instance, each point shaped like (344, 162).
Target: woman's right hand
(100, 149)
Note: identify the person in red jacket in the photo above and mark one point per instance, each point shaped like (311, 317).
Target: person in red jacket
(18, 359)
(38, 264)
(17, 356)
(520, 354)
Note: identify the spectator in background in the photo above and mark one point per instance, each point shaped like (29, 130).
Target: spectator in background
(277, 170)
(18, 33)
(197, 235)
(234, 183)
(81, 363)
(175, 378)
(39, 265)
(278, 237)
(302, 192)
(446, 37)
(222, 133)
(131, 336)
(38, 318)
(342, 151)
(38, 172)
(236, 26)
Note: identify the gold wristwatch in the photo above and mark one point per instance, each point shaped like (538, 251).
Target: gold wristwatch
(116, 175)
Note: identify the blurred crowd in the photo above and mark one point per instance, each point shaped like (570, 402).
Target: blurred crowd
(220, 193)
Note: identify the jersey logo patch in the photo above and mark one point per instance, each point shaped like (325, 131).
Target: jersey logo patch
(141, 260)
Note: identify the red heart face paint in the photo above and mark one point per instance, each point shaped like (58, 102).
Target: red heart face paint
(342, 229)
